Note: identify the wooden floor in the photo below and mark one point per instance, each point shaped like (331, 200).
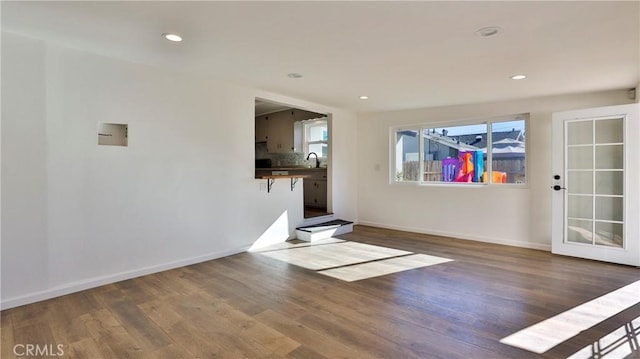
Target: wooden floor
(253, 306)
(310, 212)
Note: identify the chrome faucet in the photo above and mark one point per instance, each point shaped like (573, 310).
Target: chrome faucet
(317, 160)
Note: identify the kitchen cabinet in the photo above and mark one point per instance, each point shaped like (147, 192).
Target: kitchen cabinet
(315, 192)
(261, 128)
(280, 132)
(276, 129)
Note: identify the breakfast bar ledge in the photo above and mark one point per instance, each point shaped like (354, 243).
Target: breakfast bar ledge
(272, 178)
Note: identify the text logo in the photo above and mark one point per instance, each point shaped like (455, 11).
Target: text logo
(38, 350)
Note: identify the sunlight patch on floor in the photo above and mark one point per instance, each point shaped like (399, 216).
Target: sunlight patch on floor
(378, 268)
(348, 261)
(289, 245)
(545, 335)
(620, 343)
(318, 257)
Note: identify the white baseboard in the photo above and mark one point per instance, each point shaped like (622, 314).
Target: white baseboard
(539, 246)
(78, 286)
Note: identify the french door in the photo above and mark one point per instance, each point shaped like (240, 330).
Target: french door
(595, 184)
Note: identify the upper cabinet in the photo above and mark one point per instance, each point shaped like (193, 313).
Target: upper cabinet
(261, 128)
(277, 129)
(280, 132)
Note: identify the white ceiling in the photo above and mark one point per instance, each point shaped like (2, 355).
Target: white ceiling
(400, 54)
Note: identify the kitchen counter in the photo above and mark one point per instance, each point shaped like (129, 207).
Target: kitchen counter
(294, 173)
(292, 169)
(279, 171)
(283, 176)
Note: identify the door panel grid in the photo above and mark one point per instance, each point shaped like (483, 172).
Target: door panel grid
(594, 169)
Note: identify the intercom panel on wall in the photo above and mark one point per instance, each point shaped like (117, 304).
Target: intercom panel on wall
(113, 134)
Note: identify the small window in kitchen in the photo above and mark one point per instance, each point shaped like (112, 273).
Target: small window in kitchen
(316, 137)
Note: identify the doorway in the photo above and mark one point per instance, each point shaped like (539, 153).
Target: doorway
(594, 193)
(295, 141)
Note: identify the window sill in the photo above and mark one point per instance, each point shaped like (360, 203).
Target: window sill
(462, 185)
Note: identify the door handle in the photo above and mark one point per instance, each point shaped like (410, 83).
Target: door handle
(558, 187)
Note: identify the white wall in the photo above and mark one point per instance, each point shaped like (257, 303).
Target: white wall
(24, 261)
(515, 216)
(76, 215)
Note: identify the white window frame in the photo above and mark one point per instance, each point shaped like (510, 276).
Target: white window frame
(305, 135)
(489, 121)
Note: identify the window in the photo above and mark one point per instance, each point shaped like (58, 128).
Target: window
(407, 150)
(316, 137)
(508, 151)
(488, 152)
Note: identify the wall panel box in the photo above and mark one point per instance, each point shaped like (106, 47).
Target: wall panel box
(113, 134)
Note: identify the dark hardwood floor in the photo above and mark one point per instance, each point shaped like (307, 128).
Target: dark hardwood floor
(310, 212)
(252, 306)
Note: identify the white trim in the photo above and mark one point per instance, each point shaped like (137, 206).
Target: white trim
(306, 124)
(538, 246)
(518, 186)
(467, 121)
(81, 285)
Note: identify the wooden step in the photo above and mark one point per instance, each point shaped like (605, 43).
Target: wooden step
(324, 230)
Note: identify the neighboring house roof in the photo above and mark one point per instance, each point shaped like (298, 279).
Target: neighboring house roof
(449, 141)
(510, 142)
(496, 138)
(470, 142)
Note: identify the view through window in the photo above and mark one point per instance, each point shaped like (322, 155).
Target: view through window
(483, 153)
(316, 137)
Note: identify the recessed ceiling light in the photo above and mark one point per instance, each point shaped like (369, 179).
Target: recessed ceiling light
(489, 31)
(518, 77)
(364, 97)
(172, 37)
(294, 75)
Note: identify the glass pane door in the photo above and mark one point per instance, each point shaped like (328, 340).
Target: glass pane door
(594, 169)
(595, 210)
